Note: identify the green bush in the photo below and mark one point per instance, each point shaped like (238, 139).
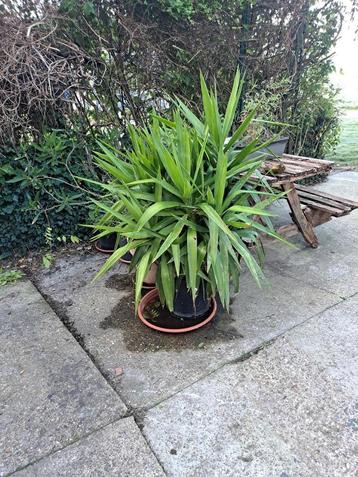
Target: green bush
(39, 190)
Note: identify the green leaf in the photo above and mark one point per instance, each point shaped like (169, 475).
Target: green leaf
(192, 247)
(174, 234)
(213, 242)
(47, 260)
(194, 120)
(215, 217)
(74, 239)
(240, 130)
(232, 104)
(113, 212)
(251, 263)
(220, 179)
(167, 280)
(141, 272)
(250, 210)
(118, 254)
(176, 258)
(201, 255)
(156, 209)
(209, 111)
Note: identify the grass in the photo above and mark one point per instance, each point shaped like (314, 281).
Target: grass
(346, 152)
(9, 276)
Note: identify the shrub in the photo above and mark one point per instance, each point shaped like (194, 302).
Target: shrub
(39, 190)
(184, 196)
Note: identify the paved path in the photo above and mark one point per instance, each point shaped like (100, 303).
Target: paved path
(270, 391)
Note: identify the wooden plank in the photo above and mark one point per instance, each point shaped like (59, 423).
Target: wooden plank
(309, 159)
(303, 164)
(323, 200)
(297, 168)
(299, 217)
(268, 178)
(326, 208)
(290, 168)
(353, 204)
(317, 217)
(279, 180)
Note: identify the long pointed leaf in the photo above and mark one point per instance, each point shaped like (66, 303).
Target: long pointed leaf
(192, 247)
(171, 238)
(141, 272)
(155, 209)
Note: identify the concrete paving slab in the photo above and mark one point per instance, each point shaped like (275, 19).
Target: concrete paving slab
(331, 341)
(333, 266)
(103, 315)
(280, 304)
(291, 410)
(50, 392)
(118, 449)
(342, 183)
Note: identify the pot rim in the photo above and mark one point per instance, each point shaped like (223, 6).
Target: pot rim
(281, 139)
(150, 296)
(104, 250)
(99, 249)
(148, 286)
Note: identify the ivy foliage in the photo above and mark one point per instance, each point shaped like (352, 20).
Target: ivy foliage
(39, 190)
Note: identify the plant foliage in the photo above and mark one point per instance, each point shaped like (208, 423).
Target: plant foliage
(9, 276)
(109, 62)
(186, 196)
(90, 67)
(39, 190)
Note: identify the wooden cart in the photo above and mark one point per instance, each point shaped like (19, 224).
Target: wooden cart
(309, 207)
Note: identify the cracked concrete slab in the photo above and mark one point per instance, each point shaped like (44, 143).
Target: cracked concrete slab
(118, 449)
(290, 410)
(103, 314)
(331, 341)
(51, 393)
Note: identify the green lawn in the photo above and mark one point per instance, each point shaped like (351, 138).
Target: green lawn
(347, 150)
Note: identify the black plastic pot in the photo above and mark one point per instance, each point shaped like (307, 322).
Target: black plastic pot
(107, 242)
(275, 149)
(183, 302)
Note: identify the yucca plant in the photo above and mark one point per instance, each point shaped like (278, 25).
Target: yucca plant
(186, 197)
